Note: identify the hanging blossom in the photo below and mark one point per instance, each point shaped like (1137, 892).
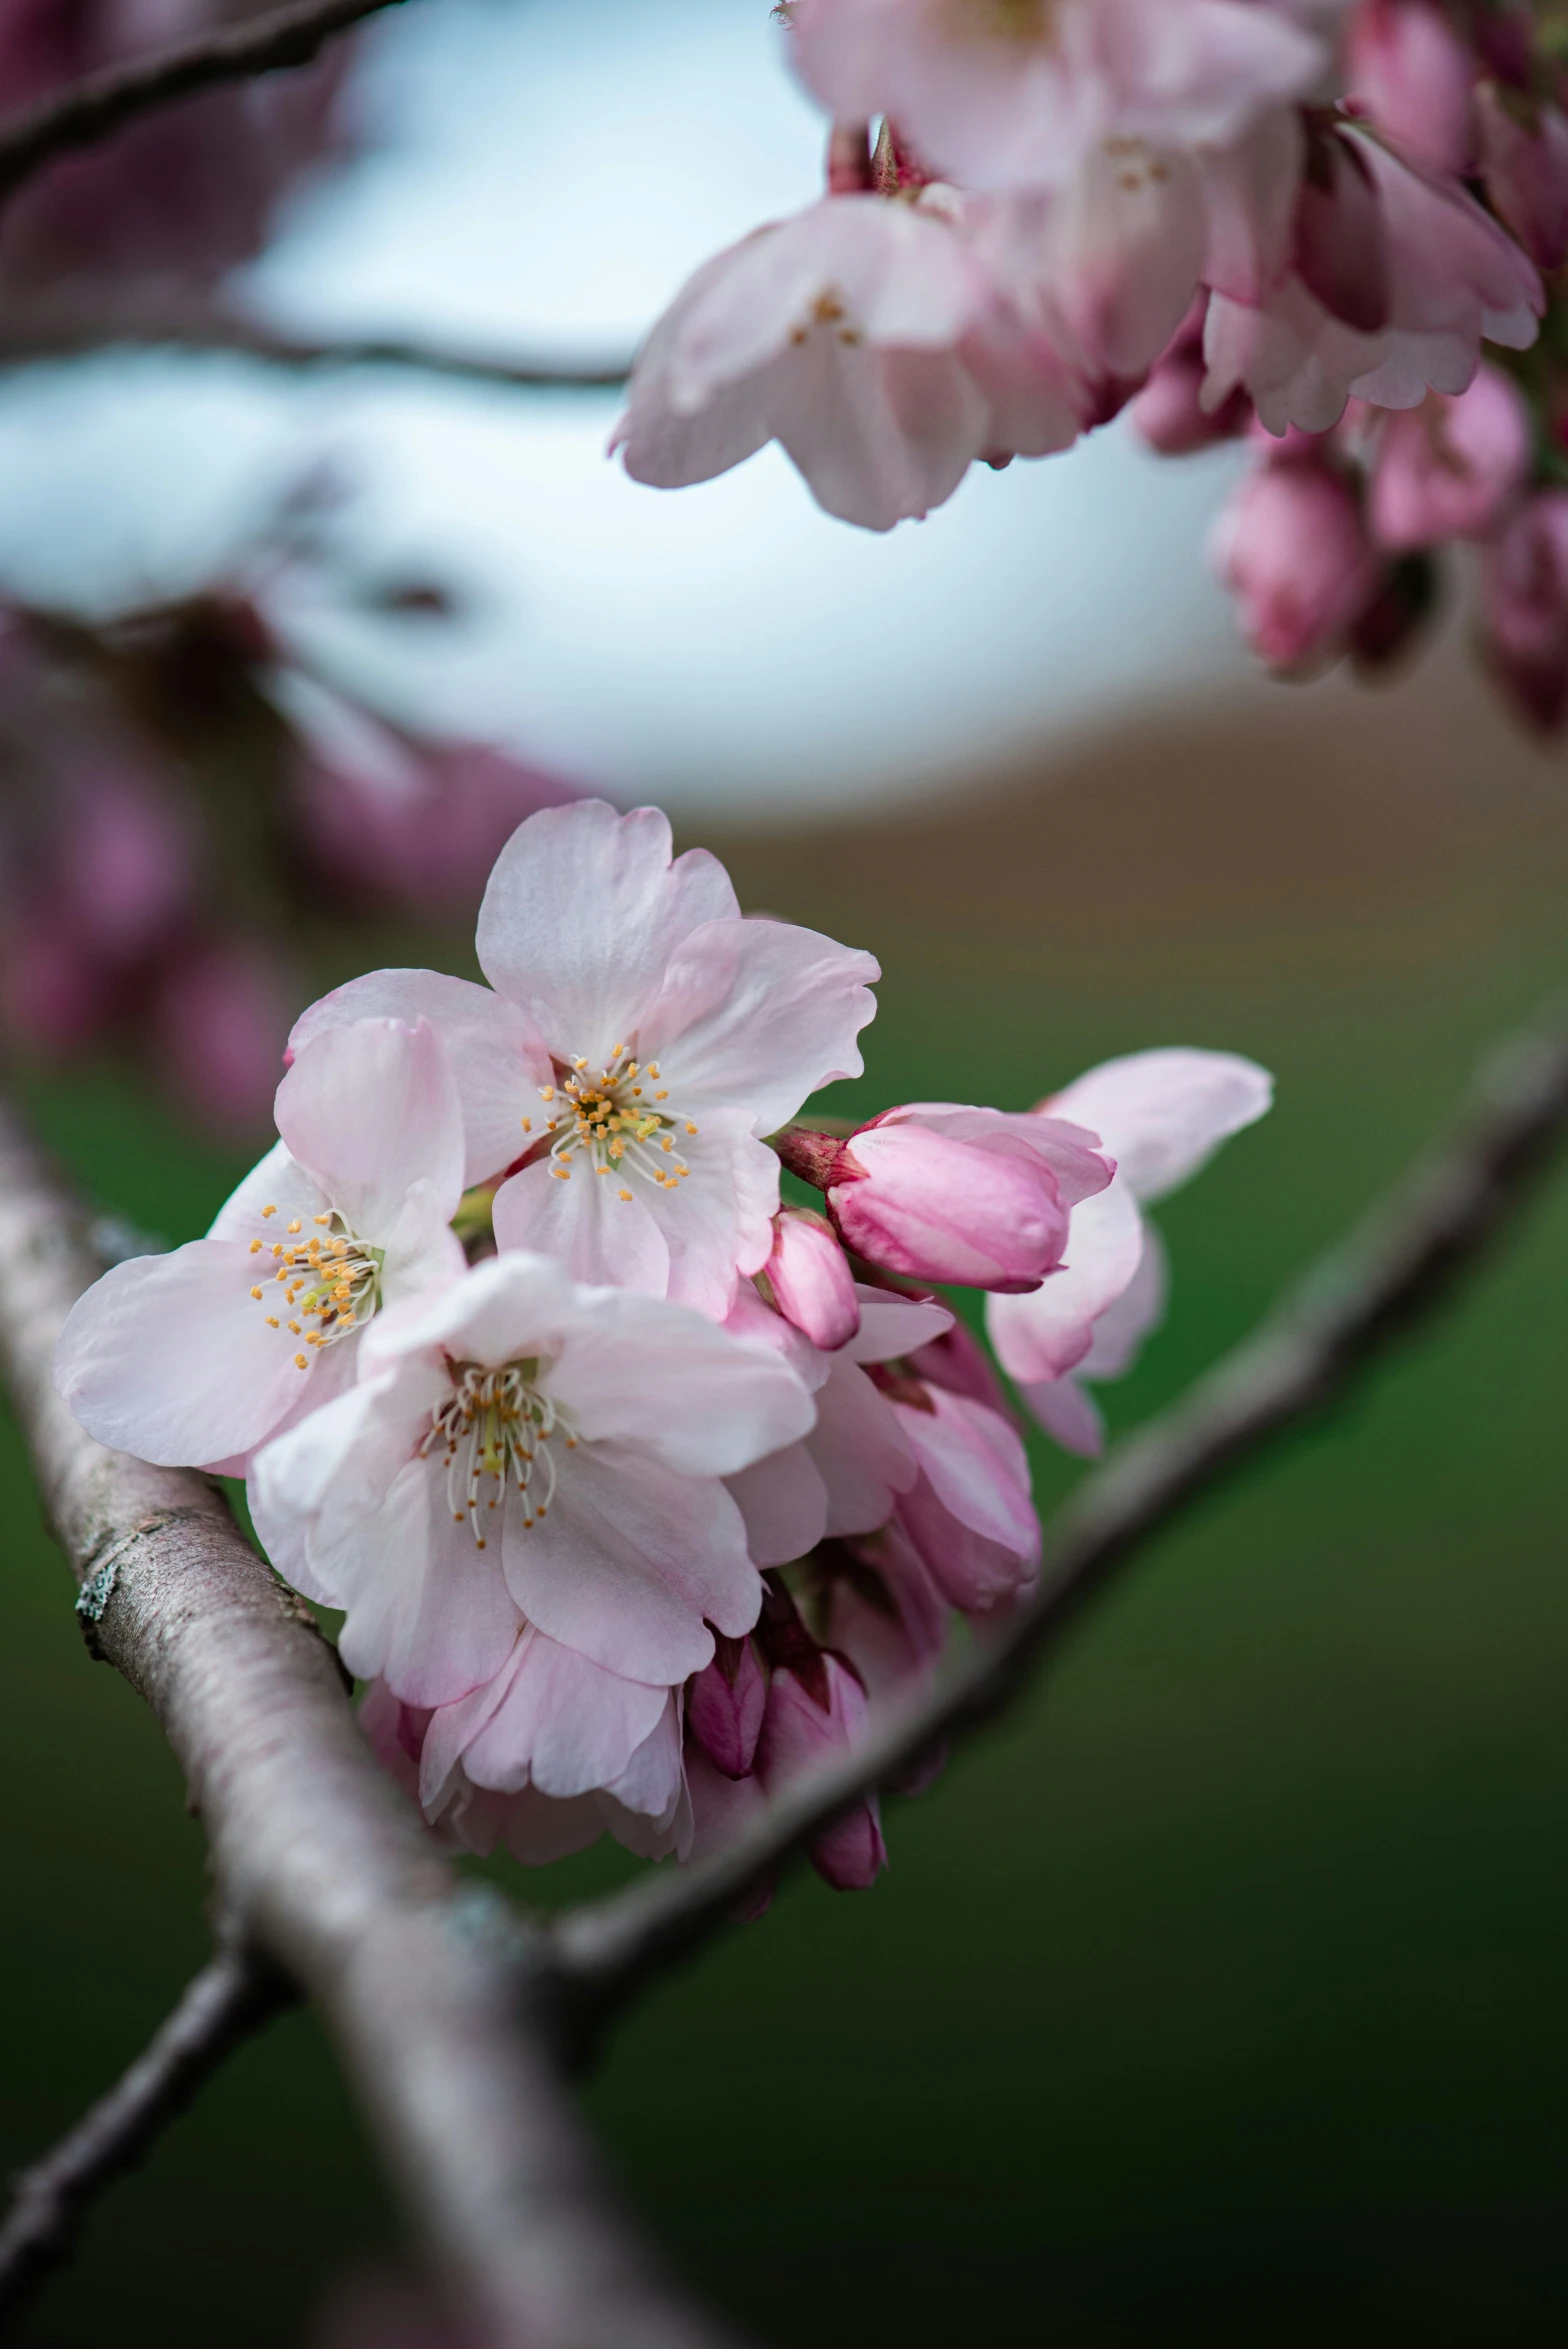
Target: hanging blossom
(1016, 93)
(1164, 1113)
(196, 1358)
(637, 1039)
(522, 1451)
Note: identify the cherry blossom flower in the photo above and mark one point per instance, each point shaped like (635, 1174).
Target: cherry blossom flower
(196, 1358)
(936, 1191)
(1293, 549)
(524, 1451)
(809, 1278)
(640, 1037)
(1524, 163)
(816, 1715)
(1421, 273)
(545, 1757)
(1164, 1113)
(1524, 611)
(1452, 467)
(1014, 93)
(834, 333)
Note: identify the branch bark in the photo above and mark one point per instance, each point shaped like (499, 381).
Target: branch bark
(92, 109)
(1340, 1319)
(52, 333)
(233, 1995)
(435, 1993)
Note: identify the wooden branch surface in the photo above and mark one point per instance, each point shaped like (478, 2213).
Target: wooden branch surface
(1344, 1315)
(92, 109)
(431, 1988)
(46, 332)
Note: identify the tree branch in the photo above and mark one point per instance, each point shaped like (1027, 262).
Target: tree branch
(434, 1991)
(61, 333)
(1434, 1225)
(91, 109)
(233, 1995)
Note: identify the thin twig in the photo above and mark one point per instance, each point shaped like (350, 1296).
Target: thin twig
(91, 109)
(1434, 1224)
(52, 334)
(232, 1996)
(432, 1988)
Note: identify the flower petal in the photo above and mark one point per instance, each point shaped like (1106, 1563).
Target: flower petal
(784, 1501)
(370, 1110)
(758, 1015)
(564, 1725)
(583, 911)
(1050, 1330)
(1163, 1114)
(629, 1562)
(586, 1225)
(497, 1057)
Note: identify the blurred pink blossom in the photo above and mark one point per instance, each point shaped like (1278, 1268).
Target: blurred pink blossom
(1293, 549)
(1524, 163)
(1409, 71)
(1524, 610)
(1450, 468)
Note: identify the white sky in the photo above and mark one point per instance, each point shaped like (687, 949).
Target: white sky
(544, 174)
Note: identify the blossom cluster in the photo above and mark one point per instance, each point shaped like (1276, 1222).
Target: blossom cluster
(184, 805)
(636, 1483)
(1298, 220)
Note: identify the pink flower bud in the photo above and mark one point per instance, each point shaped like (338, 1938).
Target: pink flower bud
(1524, 610)
(809, 1275)
(724, 1706)
(941, 1194)
(1293, 551)
(1169, 411)
(1415, 78)
(1524, 162)
(1449, 468)
(1341, 250)
(970, 1516)
(816, 1714)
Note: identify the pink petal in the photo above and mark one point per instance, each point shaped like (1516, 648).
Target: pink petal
(1163, 1114)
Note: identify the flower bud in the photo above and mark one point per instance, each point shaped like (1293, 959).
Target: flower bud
(1292, 549)
(1415, 78)
(724, 1706)
(939, 1206)
(1524, 611)
(816, 1715)
(1449, 468)
(809, 1275)
(1524, 163)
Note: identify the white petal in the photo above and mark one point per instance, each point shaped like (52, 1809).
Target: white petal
(1163, 1114)
(582, 913)
(276, 1182)
(565, 1725)
(1068, 1414)
(785, 1504)
(585, 1224)
(1048, 1331)
(861, 1451)
(497, 1057)
(757, 1015)
(369, 1110)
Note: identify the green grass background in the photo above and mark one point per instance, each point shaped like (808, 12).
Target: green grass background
(1220, 1996)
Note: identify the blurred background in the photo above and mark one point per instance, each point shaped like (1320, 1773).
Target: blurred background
(1218, 1996)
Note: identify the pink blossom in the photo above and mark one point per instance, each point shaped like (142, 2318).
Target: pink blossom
(1524, 163)
(1450, 468)
(196, 1358)
(1164, 1113)
(216, 1016)
(939, 1192)
(833, 333)
(1001, 96)
(1169, 411)
(725, 1703)
(885, 1612)
(815, 1716)
(523, 1450)
(1410, 72)
(810, 1280)
(846, 1473)
(969, 1516)
(641, 1036)
(1293, 550)
(1524, 610)
(1452, 278)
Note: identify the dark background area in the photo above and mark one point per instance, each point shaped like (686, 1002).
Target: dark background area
(1219, 1996)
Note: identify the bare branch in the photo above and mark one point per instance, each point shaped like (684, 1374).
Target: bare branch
(90, 110)
(434, 1992)
(233, 1995)
(1435, 1224)
(53, 332)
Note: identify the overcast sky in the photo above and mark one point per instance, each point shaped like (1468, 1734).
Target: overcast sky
(545, 173)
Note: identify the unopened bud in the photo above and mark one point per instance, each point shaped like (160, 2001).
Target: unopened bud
(810, 1278)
